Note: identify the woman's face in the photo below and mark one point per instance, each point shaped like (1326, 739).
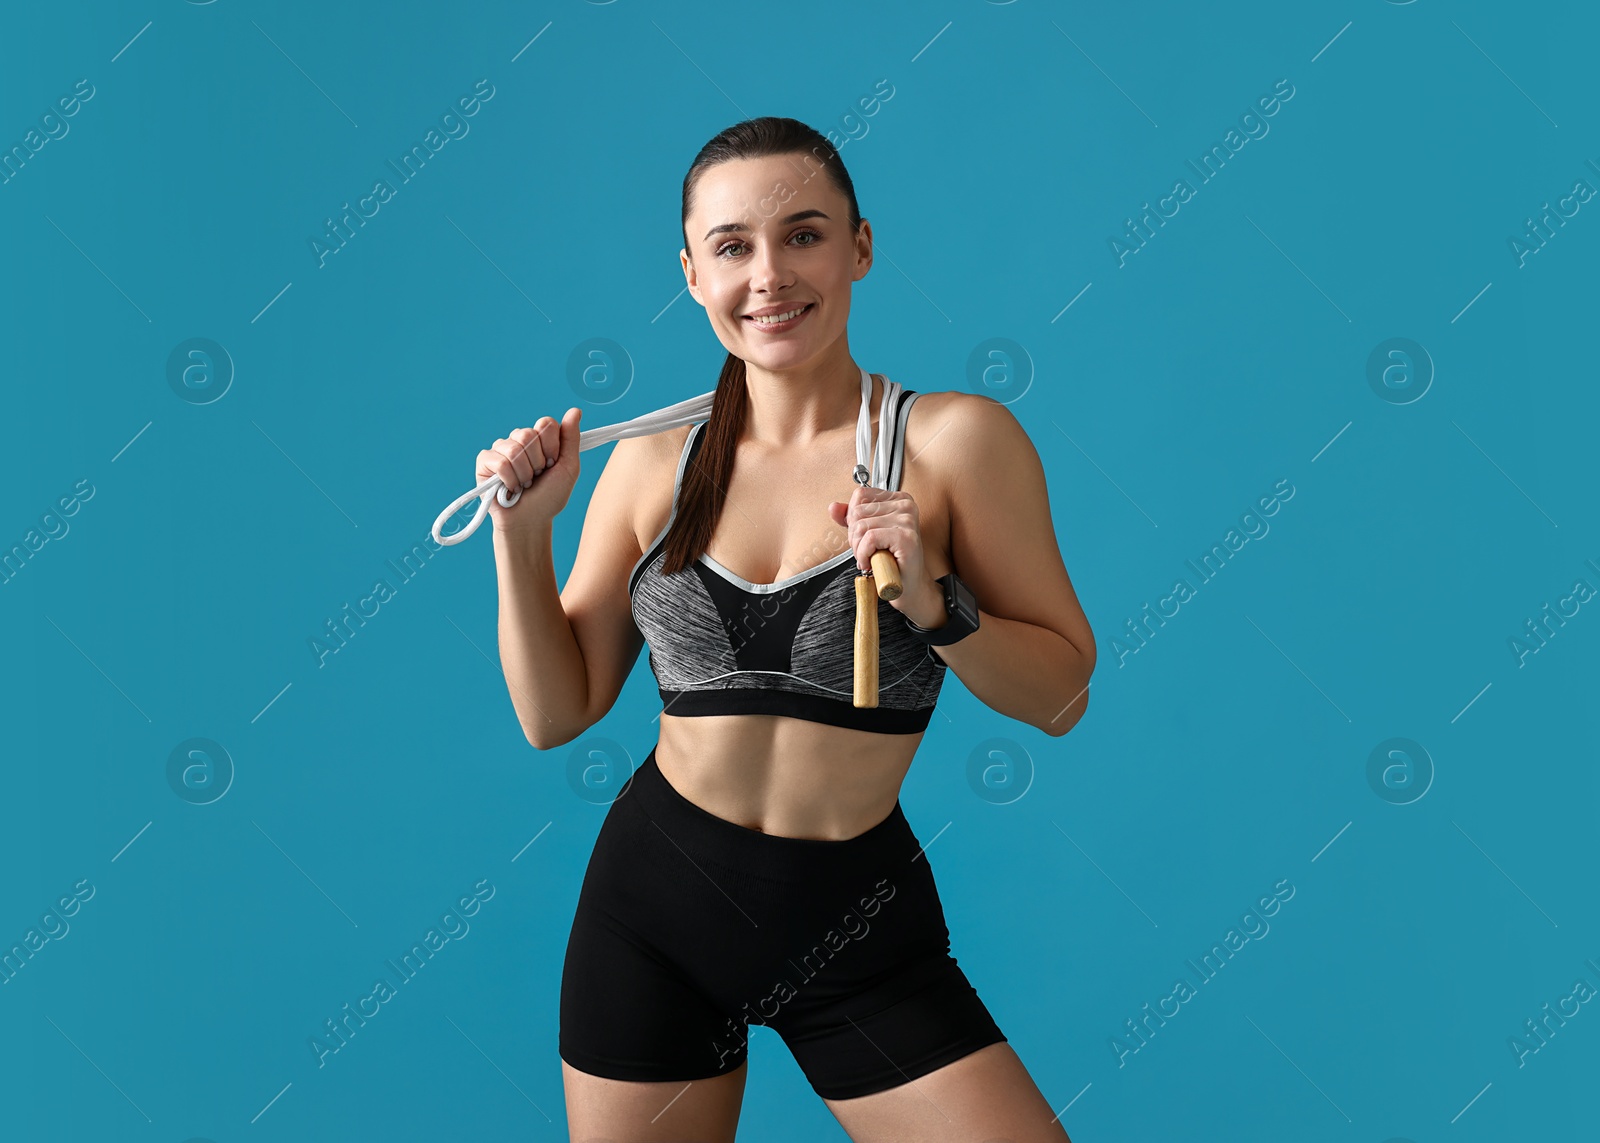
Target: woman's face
(749, 254)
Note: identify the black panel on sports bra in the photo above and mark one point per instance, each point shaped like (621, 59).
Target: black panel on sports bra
(720, 644)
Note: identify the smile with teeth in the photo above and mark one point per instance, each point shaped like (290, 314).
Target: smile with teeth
(779, 319)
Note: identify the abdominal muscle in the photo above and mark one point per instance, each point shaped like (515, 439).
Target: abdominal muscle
(785, 776)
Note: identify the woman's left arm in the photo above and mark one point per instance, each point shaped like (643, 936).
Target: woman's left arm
(1034, 651)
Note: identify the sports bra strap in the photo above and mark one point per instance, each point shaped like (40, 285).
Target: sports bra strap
(689, 449)
(691, 445)
(897, 456)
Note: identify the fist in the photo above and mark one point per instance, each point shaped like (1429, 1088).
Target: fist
(875, 519)
(541, 462)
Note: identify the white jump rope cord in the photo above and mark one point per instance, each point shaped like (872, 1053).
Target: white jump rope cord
(687, 413)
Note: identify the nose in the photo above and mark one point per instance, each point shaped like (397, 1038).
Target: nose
(768, 268)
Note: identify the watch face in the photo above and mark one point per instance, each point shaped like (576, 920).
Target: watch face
(964, 601)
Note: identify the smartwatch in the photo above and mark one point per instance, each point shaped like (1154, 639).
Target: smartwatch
(962, 608)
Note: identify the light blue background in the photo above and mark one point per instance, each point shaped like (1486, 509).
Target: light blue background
(1227, 754)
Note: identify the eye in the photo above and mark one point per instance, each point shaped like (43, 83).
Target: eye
(722, 251)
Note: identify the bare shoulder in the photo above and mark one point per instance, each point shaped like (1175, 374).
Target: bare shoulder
(649, 465)
(944, 426)
(1003, 541)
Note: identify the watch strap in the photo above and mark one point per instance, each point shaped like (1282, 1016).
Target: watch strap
(957, 624)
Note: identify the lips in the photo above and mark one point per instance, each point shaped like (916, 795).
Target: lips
(799, 313)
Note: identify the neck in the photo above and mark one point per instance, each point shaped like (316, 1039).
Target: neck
(798, 408)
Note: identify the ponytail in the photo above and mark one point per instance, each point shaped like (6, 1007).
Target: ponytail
(705, 481)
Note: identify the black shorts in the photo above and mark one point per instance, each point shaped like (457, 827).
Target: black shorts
(689, 928)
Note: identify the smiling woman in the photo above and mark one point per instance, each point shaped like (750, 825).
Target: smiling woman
(770, 804)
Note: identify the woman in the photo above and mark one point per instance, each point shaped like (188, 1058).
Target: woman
(757, 867)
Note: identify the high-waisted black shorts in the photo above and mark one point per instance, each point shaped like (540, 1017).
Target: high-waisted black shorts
(690, 927)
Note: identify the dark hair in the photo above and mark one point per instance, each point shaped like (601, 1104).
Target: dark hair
(705, 483)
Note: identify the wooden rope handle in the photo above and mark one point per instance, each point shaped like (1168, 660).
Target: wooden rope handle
(866, 642)
(887, 574)
(884, 583)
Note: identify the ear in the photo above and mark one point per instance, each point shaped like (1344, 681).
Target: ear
(689, 277)
(863, 250)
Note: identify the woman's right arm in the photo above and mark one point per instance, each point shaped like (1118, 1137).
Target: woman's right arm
(539, 653)
(566, 655)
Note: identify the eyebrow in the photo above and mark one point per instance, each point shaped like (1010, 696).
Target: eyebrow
(727, 227)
